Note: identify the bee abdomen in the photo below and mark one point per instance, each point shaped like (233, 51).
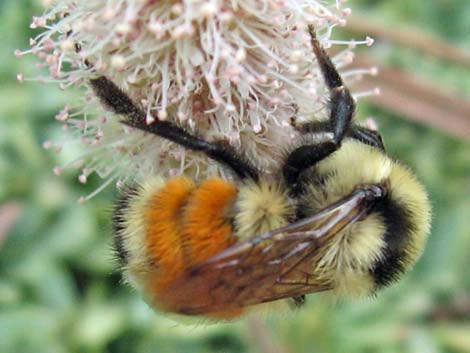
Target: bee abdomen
(207, 228)
(164, 228)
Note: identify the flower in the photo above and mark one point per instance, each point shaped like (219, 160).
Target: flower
(238, 70)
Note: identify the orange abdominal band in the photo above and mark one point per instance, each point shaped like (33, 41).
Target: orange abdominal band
(186, 225)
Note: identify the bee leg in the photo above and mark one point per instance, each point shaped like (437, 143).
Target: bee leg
(341, 106)
(341, 103)
(120, 103)
(356, 132)
(298, 301)
(366, 136)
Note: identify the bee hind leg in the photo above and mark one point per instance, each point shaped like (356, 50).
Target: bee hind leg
(120, 103)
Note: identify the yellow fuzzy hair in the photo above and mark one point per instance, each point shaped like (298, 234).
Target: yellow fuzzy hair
(134, 232)
(406, 190)
(261, 207)
(362, 244)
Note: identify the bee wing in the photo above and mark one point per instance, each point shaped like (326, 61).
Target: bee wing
(278, 264)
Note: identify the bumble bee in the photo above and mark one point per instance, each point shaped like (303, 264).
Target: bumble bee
(339, 216)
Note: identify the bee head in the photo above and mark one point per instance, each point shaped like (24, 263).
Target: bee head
(378, 249)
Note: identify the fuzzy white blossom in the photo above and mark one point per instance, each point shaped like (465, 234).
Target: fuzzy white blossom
(239, 70)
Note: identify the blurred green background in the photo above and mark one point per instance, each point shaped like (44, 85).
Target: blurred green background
(59, 290)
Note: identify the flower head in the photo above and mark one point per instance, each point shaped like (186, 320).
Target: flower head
(238, 70)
